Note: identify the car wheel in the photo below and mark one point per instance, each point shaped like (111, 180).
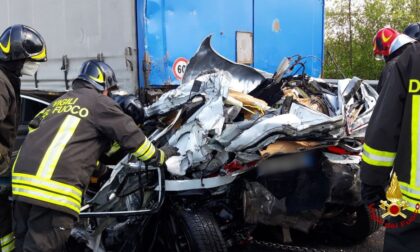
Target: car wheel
(195, 230)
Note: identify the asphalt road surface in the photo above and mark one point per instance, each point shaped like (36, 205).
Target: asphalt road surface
(373, 243)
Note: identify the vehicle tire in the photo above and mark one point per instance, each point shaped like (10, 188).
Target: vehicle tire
(197, 230)
(361, 225)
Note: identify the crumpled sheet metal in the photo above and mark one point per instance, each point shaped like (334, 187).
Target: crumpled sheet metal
(206, 60)
(300, 121)
(190, 141)
(261, 129)
(311, 102)
(192, 137)
(333, 101)
(358, 126)
(350, 89)
(233, 130)
(220, 80)
(211, 85)
(309, 117)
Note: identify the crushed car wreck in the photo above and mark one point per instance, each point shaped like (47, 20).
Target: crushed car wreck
(254, 150)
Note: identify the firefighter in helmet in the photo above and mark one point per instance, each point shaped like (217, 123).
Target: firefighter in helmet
(392, 137)
(22, 49)
(59, 155)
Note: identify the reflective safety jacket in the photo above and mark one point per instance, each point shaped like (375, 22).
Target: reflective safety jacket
(393, 135)
(66, 139)
(390, 61)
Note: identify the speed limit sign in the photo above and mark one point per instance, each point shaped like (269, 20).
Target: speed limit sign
(179, 66)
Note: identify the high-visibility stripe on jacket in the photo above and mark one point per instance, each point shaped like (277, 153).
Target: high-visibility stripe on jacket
(47, 190)
(7, 243)
(54, 164)
(393, 135)
(377, 157)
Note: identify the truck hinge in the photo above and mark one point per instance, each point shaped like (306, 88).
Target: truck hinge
(130, 58)
(36, 80)
(147, 66)
(65, 69)
(100, 57)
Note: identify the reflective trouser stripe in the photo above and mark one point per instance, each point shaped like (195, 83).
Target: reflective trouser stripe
(377, 157)
(7, 243)
(63, 136)
(145, 151)
(46, 196)
(415, 169)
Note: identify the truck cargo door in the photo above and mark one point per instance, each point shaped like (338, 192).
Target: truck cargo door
(79, 30)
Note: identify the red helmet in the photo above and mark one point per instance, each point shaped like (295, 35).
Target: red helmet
(382, 42)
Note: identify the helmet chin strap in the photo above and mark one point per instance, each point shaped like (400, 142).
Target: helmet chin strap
(379, 57)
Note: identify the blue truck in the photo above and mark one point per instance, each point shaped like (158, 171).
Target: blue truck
(149, 42)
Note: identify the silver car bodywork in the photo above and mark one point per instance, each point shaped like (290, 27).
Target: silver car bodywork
(208, 134)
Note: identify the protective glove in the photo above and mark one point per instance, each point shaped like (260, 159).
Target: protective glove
(170, 151)
(163, 154)
(372, 194)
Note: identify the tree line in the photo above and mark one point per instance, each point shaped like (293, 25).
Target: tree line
(349, 30)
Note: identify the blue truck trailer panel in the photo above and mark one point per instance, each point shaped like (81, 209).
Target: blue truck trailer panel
(286, 28)
(170, 31)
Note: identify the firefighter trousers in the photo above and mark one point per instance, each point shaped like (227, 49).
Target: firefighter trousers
(6, 234)
(40, 229)
(403, 238)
